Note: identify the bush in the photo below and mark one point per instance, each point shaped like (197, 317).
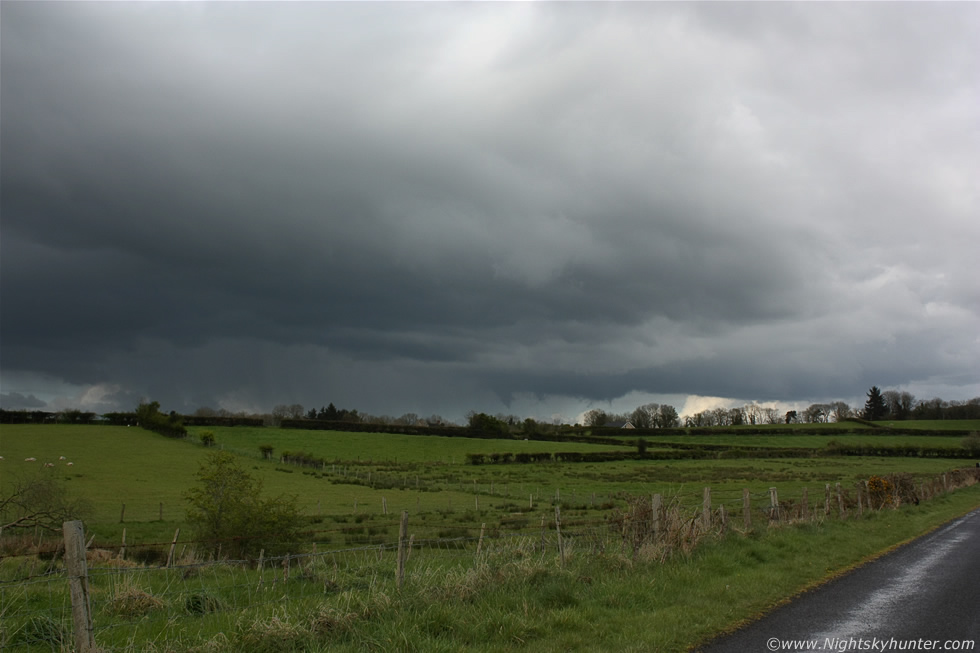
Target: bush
(207, 438)
(972, 443)
(879, 493)
(149, 417)
(227, 509)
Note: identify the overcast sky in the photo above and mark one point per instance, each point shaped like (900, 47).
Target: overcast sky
(534, 209)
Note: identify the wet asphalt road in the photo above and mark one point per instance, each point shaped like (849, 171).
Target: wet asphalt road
(927, 590)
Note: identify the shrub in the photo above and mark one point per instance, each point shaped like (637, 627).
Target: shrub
(227, 506)
(879, 492)
(149, 417)
(972, 443)
(207, 438)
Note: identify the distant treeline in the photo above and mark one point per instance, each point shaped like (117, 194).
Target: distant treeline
(43, 417)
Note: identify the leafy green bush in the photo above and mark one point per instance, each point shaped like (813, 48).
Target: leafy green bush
(227, 510)
(149, 417)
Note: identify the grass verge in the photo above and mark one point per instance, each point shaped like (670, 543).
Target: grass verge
(516, 598)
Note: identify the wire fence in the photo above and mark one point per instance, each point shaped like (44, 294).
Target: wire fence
(129, 601)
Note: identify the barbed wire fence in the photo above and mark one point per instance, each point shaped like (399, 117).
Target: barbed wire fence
(74, 596)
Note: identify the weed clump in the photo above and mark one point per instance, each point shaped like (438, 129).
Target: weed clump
(131, 601)
(42, 630)
(202, 603)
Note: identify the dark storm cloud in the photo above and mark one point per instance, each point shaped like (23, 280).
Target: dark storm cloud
(444, 205)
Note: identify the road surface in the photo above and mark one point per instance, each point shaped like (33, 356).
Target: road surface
(922, 596)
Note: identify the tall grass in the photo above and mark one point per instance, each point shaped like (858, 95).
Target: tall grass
(513, 596)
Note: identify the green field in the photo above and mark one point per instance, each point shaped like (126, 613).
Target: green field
(113, 466)
(598, 595)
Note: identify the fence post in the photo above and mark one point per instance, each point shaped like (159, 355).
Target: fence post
(773, 505)
(561, 547)
(81, 613)
(402, 536)
(384, 506)
(122, 551)
(746, 508)
(860, 503)
(805, 506)
(261, 568)
(479, 544)
(173, 547)
(723, 518)
(840, 501)
(543, 518)
(826, 499)
(706, 510)
(657, 502)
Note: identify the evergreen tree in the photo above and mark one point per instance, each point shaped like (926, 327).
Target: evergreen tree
(874, 407)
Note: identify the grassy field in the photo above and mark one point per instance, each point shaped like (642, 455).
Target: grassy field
(113, 466)
(602, 597)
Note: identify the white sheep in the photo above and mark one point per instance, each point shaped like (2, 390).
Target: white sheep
(69, 464)
(30, 460)
(49, 464)
(62, 458)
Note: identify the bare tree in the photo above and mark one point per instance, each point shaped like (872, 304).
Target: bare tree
(38, 501)
(595, 417)
(840, 411)
(644, 417)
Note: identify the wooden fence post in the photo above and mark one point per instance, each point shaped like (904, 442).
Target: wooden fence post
(81, 612)
(173, 547)
(706, 510)
(805, 506)
(722, 518)
(826, 499)
(261, 569)
(402, 536)
(840, 501)
(122, 551)
(656, 507)
(561, 547)
(773, 505)
(746, 508)
(479, 544)
(384, 506)
(542, 532)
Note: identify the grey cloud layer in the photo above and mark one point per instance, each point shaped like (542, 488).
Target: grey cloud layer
(583, 200)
